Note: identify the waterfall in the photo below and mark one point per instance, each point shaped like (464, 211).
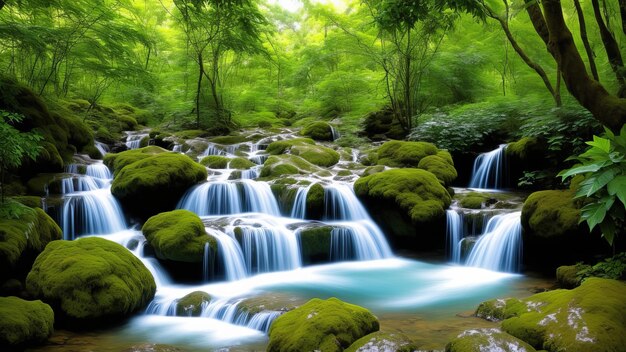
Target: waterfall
(206, 263)
(212, 149)
(224, 198)
(360, 240)
(500, 247)
(341, 204)
(133, 141)
(487, 171)
(99, 170)
(81, 184)
(263, 320)
(454, 235)
(335, 134)
(268, 248)
(102, 148)
(94, 212)
(298, 211)
(229, 252)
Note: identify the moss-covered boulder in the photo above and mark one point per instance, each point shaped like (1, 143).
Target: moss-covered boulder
(24, 323)
(90, 281)
(473, 200)
(324, 325)
(215, 162)
(240, 164)
(283, 146)
(567, 275)
(482, 340)
(552, 234)
(178, 235)
(155, 184)
(307, 150)
(441, 165)
(191, 305)
(23, 235)
(117, 161)
(320, 131)
(588, 318)
(287, 164)
(315, 243)
(383, 341)
(315, 202)
(407, 203)
(404, 154)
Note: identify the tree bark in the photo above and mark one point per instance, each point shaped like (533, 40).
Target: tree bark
(199, 88)
(583, 37)
(622, 11)
(1, 4)
(611, 48)
(606, 108)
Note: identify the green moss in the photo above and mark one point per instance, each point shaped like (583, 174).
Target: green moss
(228, 140)
(191, 134)
(316, 154)
(178, 235)
(191, 304)
(344, 173)
(24, 322)
(473, 200)
(90, 281)
(320, 131)
(241, 164)
(117, 161)
(215, 162)
(287, 164)
(567, 275)
(551, 213)
(500, 309)
(440, 166)
(29, 201)
(523, 149)
(155, 184)
(315, 243)
(479, 340)
(330, 325)
(416, 192)
(315, 202)
(370, 170)
(280, 147)
(404, 154)
(383, 341)
(39, 184)
(587, 318)
(23, 235)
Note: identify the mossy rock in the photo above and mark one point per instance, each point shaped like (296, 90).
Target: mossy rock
(117, 161)
(500, 309)
(567, 275)
(404, 154)
(287, 164)
(370, 170)
(24, 323)
(587, 318)
(551, 213)
(241, 164)
(215, 162)
(316, 154)
(383, 341)
(281, 147)
(178, 235)
(315, 243)
(324, 325)
(229, 140)
(482, 340)
(525, 148)
(191, 305)
(190, 134)
(155, 184)
(415, 192)
(440, 165)
(473, 200)
(23, 236)
(320, 131)
(90, 281)
(315, 202)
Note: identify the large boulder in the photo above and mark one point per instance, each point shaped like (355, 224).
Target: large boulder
(307, 150)
(22, 237)
(409, 204)
(482, 340)
(24, 322)
(590, 317)
(90, 281)
(191, 305)
(155, 184)
(315, 240)
(279, 165)
(117, 161)
(178, 235)
(320, 131)
(324, 325)
(383, 341)
(404, 154)
(552, 234)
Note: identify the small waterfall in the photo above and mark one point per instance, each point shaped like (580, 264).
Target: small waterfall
(487, 171)
(341, 204)
(229, 252)
(334, 132)
(99, 170)
(212, 149)
(250, 174)
(298, 211)
(225, 198)
(263, 320)
(133, 141)
(361, 240)
(268, 248)
(206, 262)
(102, 148)
(454, 235)
(500, 247)
(178, 148)
(81, 184)
(94, 212)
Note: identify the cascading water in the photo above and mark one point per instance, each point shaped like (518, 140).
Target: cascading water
(358, 240)
(454, 235)
(488, 170)
(298, 210)
(133, 141)
(341, 203)
(500, 247)
(93, 212)
(102, 148)
(229, 251)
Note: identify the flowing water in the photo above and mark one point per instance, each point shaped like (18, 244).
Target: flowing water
(488, 170)
(259, 256)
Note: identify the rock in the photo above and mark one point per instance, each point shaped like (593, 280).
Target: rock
(407, 203)
(383, 342)
(325, 325)
(178, 235)
(23, 237)
(587, 318)
(229, 140)
(315, 202)
(483, 340)
(191, 305)
(314, 242)
(24, 323)
(404, 154)
(90, 281)
(320, 131)
(215, 162)
(307, 150)
(155, 184)
(567, 275)
(240, 164)
(286, 164)
(441, 165)
(117, 161)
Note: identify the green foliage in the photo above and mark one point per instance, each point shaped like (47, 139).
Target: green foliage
(604, 166)
(611, 268)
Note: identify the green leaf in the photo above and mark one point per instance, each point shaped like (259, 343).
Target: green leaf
(601, 143)
(593, 214)
(617, 187)
(608, 230)
(601, 181)
(581, 169)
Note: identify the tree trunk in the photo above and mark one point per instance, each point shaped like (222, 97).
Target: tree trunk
(583, 37)
(612, 49)
(606, 108)
(199, 88)
(1, 4)
(622, 11)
